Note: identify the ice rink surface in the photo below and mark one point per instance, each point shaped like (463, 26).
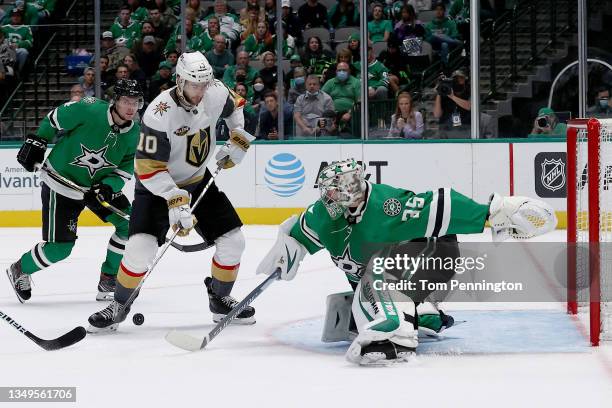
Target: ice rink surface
(278, 361)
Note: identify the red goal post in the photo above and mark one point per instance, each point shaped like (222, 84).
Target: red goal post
(589, 223)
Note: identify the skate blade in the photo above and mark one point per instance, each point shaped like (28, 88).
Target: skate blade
(243, 321)
(10, 278)
(102, 330)
(105, 296)
(380, 360)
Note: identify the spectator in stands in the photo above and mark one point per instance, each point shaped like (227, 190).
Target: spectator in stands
(115, 52)
(172, 58)
(161, 29)
(547, 124)
(452, 106)
(406, 122)
(291, 22)
(268, 118)
(250, 116)
(76, 93)
(379, 29)
(310, 106)
(125, 28)
(270, 9)
(148, 29)
(294, 62)
(45, 9)
(420, 5)
(138, 13)
(442, 33)
(148, 55)
(207, 37)
(167, 15)
(269, 72)
(229, 23)
(260, 41)
(397, 63)
(408, 26)
(135, 73)
(250, 3)
(344, 55)
(345, 91)
(242, 60)
(354, 46)
(161, 81)
(194, 40)
(122, 72)
(88, 82)
(106, 75)
(603, 104)
(343, 14)
(250, 22)
(198, 9)
(313, 14)
(28, 11)
(219, 58)
(378, 77)
(8, 58)
(297, 86)
(288, 41)
(19, 36)
(315, 59)
(259, 89)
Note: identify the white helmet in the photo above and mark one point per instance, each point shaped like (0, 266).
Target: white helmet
(342, 185)
(193, 67)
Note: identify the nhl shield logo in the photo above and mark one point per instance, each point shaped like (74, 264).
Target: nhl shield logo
(553, 174)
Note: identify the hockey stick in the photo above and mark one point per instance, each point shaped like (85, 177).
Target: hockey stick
(121, 314)
(191, 343)
(70, 184)
(73, 336)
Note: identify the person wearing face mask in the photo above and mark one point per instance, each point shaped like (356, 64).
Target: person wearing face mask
(603, 104)
(258, 93)
(309, 108)
(242, 61)
(345, 91)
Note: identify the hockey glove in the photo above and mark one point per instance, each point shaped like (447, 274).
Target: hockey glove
(286, 254)
(32, 152)
(233, 151)
(519, 217)
(179, 212)
(100, 192)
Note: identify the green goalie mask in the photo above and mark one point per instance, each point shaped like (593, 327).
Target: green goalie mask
(342, 186)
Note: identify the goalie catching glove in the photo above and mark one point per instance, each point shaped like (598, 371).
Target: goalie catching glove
(179, 212)
(520, 217)
(233, 151)
(286, 254)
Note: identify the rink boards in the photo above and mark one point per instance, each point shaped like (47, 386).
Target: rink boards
(278, 179)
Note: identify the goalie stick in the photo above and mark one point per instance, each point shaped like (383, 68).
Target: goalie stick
(70, 184)
(73, 336)
(191, 343)
(121, 314)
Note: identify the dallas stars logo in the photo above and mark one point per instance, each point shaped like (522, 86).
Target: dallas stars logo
(93, 160)
(72, 226)
(350, 266)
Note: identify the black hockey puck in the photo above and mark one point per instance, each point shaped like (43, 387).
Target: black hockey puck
(138, 319)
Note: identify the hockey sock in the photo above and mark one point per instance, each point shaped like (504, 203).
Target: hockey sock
(223, 277)
(114, 253)
(127, 281)
(45, 254)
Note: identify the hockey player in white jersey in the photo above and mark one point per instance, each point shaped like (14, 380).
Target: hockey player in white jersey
(176, 143)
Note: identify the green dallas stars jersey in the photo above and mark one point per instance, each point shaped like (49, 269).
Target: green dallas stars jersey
(388, 215)
(91, 148)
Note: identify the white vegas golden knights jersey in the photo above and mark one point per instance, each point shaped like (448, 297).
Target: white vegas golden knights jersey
(176, 144)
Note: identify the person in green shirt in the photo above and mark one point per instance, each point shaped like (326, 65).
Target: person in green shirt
(29, 12)
(547, 124)
(19, 36)
(379, 29)
(343, 14)
(260, 41)
(345, 90)
(378, 76)
(442, 33)
(94, 153)
(219, 58)
(242, 60)
(124, 29)
(195, 41)
(139, 13)
(44, 7)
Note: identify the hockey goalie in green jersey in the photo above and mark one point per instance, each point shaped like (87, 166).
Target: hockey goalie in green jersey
(354, 217)
(87, 167)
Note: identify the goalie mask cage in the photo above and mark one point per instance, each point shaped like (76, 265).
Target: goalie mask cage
(589, 223)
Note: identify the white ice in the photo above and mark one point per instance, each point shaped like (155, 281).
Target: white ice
(246, 365)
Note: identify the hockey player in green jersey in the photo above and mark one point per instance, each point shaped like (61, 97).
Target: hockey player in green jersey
(96, 148)
(354, 218)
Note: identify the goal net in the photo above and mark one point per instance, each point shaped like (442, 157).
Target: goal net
(589, 223)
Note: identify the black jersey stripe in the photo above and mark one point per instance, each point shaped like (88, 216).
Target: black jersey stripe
(439, 213)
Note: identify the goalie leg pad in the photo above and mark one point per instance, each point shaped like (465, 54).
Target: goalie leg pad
(338, 316)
